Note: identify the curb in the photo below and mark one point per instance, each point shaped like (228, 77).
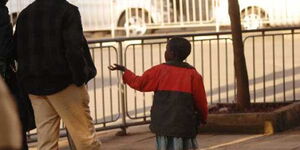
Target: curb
(253, 123)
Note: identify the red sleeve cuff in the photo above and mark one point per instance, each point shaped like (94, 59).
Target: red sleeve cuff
(126, 75)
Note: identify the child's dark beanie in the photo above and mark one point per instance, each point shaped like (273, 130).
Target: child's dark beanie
(181, 47)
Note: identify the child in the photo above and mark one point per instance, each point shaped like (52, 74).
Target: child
(179, 103)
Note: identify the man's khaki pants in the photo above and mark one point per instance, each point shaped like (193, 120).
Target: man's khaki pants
(71, 105)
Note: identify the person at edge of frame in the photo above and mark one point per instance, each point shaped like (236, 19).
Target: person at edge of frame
(7, 71)
(10, 127)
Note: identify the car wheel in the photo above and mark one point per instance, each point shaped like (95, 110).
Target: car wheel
(135, 24)
(253, 18)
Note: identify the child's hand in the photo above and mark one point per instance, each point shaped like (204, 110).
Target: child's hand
(116, 67)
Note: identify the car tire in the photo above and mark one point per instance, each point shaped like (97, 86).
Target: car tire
(253, 18)
(136, 23)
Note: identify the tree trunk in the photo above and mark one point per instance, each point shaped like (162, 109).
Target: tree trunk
(243, 96)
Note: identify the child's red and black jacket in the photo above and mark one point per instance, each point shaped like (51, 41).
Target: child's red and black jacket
(179, 99)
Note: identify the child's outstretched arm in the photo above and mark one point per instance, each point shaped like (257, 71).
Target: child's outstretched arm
(145, 83)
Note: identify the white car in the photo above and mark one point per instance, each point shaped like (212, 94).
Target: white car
(137, 17)
(259, 13)
(108, 15)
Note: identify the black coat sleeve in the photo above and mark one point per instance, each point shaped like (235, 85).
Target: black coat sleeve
(76, 48)
(6, 33)
(90, 63)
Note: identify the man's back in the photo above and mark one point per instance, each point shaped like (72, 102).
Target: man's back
(54, 63)
(49, 46)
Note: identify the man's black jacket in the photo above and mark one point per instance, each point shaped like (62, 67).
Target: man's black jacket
(5, 39)
(52, 52)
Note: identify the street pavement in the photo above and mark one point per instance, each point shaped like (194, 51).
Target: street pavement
(140, 138)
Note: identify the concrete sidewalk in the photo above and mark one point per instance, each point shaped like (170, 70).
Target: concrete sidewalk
(140, 138)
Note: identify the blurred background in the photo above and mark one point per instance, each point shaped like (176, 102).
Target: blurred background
(115, 18)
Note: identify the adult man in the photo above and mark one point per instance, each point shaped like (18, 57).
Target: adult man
(54, 64)
(7, 70)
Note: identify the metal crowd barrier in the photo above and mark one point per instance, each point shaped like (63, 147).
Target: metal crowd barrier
(138, 17)
(272, 57)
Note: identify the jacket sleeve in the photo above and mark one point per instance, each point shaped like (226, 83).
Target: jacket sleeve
(92, 71)
(6, 32)
(200, 96)
(145, 83)
(6, 41)
(73, 39)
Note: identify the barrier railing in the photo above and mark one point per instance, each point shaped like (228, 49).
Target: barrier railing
(272, 58)
(137, 17)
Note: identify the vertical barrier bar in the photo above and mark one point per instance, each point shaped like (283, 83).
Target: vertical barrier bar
(264, 65)
(226, 59)
(210, 72)
(194, 59)
(160, 60)
(122, 89)
(102, 87)
(143, 69)
(254, 73)
(274, 70)
(94, 88)
(293, 63)
(125, 87)
(219, 78)
(110, 83)
(151, 55)
(134, 69)
(202, 59)
(283, 64)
